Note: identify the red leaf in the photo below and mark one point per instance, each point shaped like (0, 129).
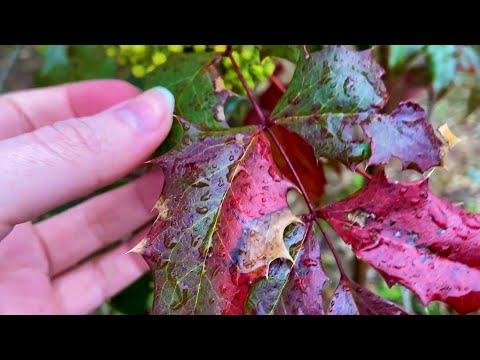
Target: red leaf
(303, 159)
(414, 238)
(351, 299)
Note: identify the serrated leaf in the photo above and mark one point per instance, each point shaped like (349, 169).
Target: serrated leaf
(334, 80)
(198, 89)
(351, 299)
(414, 238)
(222, 216)
(336, 89)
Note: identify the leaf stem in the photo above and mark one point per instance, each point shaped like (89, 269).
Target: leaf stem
(277, 84)
(343, 274)
(250, 94)
(313, 215)
(362, 172)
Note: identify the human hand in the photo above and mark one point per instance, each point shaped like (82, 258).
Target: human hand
(46, 161)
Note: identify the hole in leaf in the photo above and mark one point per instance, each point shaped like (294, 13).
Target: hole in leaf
(358, 134)
(296, 203)
(394, 171)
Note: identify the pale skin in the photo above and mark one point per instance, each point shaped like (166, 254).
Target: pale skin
(58, 144)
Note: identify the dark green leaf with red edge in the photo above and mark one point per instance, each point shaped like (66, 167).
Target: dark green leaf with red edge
(338, 88)
(293, 290)
(198, 89)
(331, 136)
(334, 80)
(414, 238)
(222, 216)
(405, 134)
(351, 299)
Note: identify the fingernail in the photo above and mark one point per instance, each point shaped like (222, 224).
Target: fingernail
(147, 112)
(167, 95)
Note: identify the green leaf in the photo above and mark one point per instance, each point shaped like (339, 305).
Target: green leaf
(399, 55)
(288, 52)
(54, 55)
(84, 62)
(134, 299)
(199, 91)
(334, 80)
(173, 139)
(443, 65)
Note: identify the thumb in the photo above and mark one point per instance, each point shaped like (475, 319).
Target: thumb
(69, 159)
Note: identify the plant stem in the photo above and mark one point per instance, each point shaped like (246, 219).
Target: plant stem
(311, 208)
(343, 274)
(250, 94)
(263, 120)
(363, 173)
(277, 84)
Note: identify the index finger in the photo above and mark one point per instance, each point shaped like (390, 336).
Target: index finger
(25, 111)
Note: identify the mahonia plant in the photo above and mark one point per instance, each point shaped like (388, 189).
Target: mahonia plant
(225, 240)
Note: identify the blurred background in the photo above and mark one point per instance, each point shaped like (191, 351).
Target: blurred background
(444, 79)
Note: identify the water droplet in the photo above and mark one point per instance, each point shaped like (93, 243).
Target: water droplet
(186, 140)
(424, 194)
(202, 210)
(414, 201)
(223, 289)
(419, 215)
(403, 190)
(441, 232)
(264, 200)
(205, 196)
(231, 157)
(472, 222)
(462, 232)
(211, 301)
(221, 182)
(274, 174)
(200, 183)
(169, 242)
(309, 262)
(398, 234)
(265, 188)
(438, 217)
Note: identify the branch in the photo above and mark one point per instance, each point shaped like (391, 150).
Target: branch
(250, 94)
(309, 202)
